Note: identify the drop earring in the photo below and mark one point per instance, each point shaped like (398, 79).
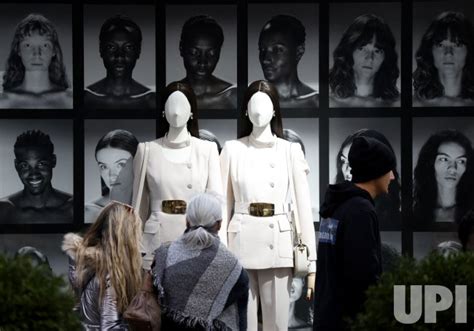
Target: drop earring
(163, 114)
(246, 113)
(273, 113)
(191, 117)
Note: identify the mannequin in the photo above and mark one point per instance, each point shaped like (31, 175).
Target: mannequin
(256, 172)
(179, 166)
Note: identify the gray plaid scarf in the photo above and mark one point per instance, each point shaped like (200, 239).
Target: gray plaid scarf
(193, 285)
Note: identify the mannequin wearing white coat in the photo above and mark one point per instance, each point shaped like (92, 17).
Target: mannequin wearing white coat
(179, 166)
(256, 169)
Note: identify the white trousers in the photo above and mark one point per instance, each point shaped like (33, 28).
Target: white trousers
(272, 286)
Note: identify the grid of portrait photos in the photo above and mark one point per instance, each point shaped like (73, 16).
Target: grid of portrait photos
(77, 75)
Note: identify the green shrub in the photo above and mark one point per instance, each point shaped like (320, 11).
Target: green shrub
(32, 298)
(456, 269)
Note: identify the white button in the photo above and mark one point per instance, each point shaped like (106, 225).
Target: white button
(271, 226)
(272, 165)
(271, 246)
(190, 186)
(272, 184)
(189, 166)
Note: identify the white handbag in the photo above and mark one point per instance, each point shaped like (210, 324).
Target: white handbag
(300, 250)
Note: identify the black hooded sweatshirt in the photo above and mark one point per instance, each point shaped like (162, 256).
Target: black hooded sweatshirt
(349, 256)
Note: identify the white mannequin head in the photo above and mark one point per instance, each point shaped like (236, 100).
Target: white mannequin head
(260, 109)
(177, 110)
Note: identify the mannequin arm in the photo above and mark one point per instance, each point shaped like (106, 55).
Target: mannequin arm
(137, 169)
(310, 281)
(227, 183)
(214, 184)
(303, 202)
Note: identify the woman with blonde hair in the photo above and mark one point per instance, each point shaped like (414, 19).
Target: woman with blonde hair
(105, 266)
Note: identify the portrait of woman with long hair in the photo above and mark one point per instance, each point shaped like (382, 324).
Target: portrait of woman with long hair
(35, 75)
(443, 178)
(365, 69)
(444, 74)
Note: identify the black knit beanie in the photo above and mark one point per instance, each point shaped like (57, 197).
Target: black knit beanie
(369, 159)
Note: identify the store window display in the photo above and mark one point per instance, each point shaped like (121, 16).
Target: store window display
(265, 180)
(114, 154)
(179, 166)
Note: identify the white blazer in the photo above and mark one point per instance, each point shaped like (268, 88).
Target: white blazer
(167, 180)
(256, 172)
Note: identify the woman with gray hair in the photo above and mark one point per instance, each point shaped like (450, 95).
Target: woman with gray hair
(212, 292)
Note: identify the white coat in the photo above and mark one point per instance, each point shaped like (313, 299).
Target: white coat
(258, 172)
(167, 180)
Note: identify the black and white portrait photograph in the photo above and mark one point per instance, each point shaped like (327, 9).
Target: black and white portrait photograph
(444, 243)
(364, 54)
(283, 48)
(305, 131)
(110, 146)
(443, 54)
(36, 170)
(218, 131)
(201, 48)
(342, 132)
(36, 60)
(119, 57)
(41, 248)
(442, 170)
(301, 311)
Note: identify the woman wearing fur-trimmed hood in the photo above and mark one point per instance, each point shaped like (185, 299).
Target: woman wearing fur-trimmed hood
(105, 266)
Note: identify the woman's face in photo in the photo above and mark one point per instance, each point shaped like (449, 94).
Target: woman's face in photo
(449, 56)
(119, 51)
(36, 52)
(200, 55)
(260, 109)
(277, 55)
(345, 168)
(450, 164)
(296, 289)
(367, 59)
(111, 161)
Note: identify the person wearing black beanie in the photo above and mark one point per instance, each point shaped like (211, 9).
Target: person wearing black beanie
(349, 249)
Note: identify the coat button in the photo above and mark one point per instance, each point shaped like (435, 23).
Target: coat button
(189, 166)
(272, 165)
(271, 246)
(272, 184)
(272, 226)
(190, 186)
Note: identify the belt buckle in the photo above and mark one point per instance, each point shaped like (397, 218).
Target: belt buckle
(262, 209)
(173, 206)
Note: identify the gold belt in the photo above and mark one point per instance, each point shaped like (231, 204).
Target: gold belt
(173, 206)
(262, 209)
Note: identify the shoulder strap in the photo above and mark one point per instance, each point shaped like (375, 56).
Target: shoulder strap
(142, 177)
